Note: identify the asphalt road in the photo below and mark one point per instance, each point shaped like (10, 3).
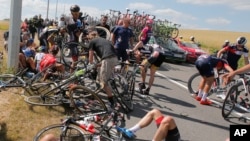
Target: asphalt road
(169, 94)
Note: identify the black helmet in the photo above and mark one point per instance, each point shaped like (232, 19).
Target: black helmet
(241, 40)
(74, 8)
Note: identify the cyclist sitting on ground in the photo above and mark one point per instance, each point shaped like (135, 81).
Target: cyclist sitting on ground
(167, 128)
(153, 62)
(235, 51)
(106, 52)
(208, 66)
(49, 65)
(144, 37)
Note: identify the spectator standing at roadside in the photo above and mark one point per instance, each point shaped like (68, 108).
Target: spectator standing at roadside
(226, 43)
(103, 23)
(25, 26)
(105, 51)
(122, 38)
(39, 24)
(32, 27)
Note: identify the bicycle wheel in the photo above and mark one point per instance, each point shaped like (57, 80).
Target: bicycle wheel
(39, 88)
(104, 32)
(193, 83)
(48, 98)
(236, 100)
(71, 133)
(67, 51)
(119, 86)
(10, 80)
(85, 101)
(131, 87)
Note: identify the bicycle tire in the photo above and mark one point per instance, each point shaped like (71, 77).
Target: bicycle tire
(234, 101)
(119, 86)
(193, 83)
(10, 80)
(72, 133)
(39, 88)
(50, 99)
(85, 101)
(66, 53)
(131, 86)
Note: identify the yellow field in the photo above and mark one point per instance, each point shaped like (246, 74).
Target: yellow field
(210, 39)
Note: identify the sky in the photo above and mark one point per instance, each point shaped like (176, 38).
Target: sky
(224, 15)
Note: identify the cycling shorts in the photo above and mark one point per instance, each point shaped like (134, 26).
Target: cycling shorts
(204, 67)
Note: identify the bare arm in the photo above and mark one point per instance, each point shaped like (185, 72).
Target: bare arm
(246, 60)
(91, 56)
(220, 52)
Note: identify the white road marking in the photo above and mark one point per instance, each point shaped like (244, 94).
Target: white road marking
(185, 87)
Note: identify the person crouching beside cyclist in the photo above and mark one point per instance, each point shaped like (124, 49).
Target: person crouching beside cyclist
(208, 67)
(49, 65)
(153, 62)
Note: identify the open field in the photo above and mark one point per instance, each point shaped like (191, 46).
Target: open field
(19, 121)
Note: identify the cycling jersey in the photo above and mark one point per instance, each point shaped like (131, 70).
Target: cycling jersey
(234, 53)
(147, 33)
(47, 60)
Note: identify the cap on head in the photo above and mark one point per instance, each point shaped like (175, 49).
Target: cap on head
(226, 41)
(192, 37)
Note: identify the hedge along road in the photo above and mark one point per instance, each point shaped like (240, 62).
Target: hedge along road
(169, 94)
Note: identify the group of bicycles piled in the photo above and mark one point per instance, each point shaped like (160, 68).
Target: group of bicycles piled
(74, 75)
(218, 75)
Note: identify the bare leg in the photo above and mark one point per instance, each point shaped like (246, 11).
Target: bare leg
(152, 76)
(167, 124)
(49, 137)
(149, 117)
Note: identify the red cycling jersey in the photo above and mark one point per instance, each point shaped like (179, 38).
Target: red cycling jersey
(47, 60)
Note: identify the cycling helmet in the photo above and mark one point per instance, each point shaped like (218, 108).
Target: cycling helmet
(149, 21)
(241, 41)
(42, 48)
(74, 8)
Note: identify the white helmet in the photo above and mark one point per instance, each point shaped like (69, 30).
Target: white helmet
(192, 37)
(226, 41)
(241, 41)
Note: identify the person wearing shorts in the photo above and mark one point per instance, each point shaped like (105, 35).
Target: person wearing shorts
(153, 62)
(207, 66)
(166, 127)
(106, 52)
(144, 37)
